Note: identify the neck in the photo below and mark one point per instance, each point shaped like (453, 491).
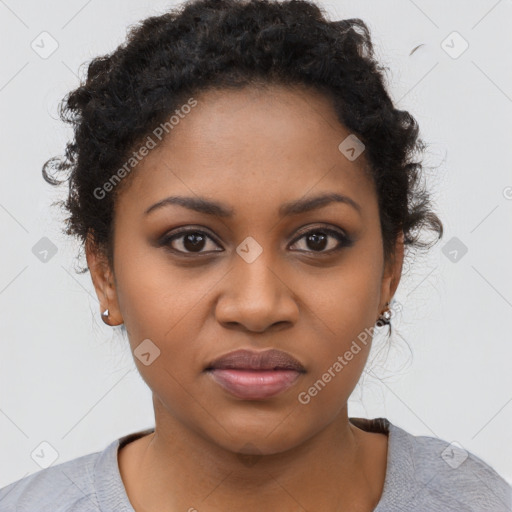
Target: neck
(176, 468)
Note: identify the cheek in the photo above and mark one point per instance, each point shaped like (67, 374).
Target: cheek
(337, 361)
(345, 298)
(342, 309)
(162, 305)
(154, 296)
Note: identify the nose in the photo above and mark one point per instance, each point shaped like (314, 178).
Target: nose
(257, 297)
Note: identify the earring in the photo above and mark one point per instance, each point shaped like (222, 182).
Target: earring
(104, 316)
(385, 317)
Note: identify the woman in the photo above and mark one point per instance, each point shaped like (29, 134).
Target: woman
(244, 189)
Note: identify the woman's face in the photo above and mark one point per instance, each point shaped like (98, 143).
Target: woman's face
(255, 280)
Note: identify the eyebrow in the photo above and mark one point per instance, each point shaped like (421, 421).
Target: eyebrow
(295, 207)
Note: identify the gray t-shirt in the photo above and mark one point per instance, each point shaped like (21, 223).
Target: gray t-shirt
(424, 474)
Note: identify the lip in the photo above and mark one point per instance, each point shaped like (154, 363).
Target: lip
(254, 375)
(244, 359)
(255, 384)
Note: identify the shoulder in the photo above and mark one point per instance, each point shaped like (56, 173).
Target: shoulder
(63, 487)
(434, 474)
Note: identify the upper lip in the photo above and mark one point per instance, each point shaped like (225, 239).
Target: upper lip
(271, 359)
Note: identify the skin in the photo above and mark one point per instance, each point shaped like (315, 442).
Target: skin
(253, 150)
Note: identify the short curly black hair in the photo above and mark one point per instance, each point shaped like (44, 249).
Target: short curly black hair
(204, 44)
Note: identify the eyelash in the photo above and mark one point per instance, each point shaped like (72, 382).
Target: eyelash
(343, 240)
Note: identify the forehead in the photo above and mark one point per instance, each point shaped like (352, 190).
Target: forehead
(253, 144)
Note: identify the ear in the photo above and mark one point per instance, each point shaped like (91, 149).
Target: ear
(103, 279)
(392, 274)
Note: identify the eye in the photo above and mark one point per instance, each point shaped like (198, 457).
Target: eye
(318, 239)
(188, 241)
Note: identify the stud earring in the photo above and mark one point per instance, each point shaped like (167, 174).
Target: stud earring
(104, 316)
(385, 317)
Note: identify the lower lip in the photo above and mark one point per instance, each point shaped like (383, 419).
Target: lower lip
(254, 384)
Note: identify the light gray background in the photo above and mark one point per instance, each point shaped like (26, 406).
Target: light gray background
(69, 380)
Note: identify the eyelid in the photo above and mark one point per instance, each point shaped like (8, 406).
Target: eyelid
(313, 228)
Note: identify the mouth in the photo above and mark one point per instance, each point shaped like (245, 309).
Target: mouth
(253, 375)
